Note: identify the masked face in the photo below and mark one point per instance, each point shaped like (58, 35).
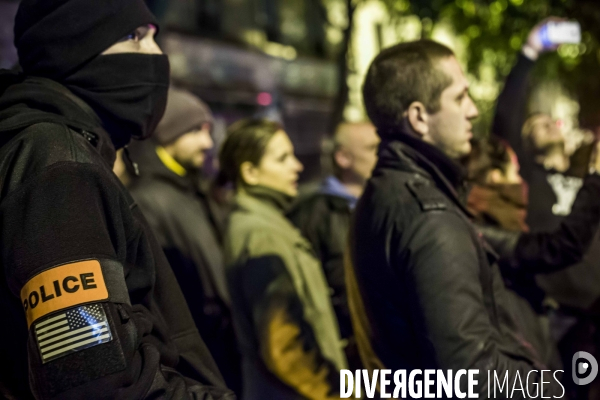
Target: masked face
(139, 41)
(126, 85)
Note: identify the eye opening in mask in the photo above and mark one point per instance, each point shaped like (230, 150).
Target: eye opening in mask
(139, 33)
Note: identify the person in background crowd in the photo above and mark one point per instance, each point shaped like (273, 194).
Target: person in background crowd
(538, 142)
(498, 198)
(170, 193)
(423, 287)
(324, 217)
(523, 255)
(88, 302)
(286, 326)
(554, 182)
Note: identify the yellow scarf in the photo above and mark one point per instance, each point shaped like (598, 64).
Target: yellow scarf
(169, 161)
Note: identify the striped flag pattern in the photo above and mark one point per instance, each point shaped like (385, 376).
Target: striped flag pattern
(72, 330)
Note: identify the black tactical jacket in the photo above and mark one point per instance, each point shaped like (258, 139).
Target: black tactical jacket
(105, 316)
(425, 280)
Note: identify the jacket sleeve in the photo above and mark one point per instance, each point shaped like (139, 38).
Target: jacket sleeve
(443, 268)
(326, 230)
(326, 234)
(545, 252)
(287, 342)
(91, 333)
(511, 108)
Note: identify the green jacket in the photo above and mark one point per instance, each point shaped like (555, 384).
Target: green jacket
(288, 333)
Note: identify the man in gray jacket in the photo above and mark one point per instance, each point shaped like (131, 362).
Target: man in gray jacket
(173, 196)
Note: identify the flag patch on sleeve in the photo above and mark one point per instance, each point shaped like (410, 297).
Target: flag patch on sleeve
(72, 330)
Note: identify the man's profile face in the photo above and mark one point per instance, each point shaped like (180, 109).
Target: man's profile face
(140, 41)
(450, 129)
(191, 148)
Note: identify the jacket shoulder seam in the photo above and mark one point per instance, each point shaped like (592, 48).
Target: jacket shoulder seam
(427, 195)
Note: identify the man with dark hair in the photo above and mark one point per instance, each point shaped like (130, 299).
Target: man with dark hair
(402, 75)
(89, 306)
(324, 217)
(424, 289)
(174, 197)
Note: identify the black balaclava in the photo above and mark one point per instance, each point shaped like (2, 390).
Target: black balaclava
(62, 40)
(127, 90)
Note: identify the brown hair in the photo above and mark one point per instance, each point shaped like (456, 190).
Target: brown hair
(486, 156)
(246, 140)
(401, 75)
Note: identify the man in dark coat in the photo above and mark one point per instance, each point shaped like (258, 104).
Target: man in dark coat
(324, 217)
(89, 306)
(173, 197)
(425, 290)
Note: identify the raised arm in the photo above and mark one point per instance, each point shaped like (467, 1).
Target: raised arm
(551, 251)
(511, 107)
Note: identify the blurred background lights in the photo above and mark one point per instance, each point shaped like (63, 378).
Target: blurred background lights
(264, 99)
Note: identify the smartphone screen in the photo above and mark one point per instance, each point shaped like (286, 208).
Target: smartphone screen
(560, 32)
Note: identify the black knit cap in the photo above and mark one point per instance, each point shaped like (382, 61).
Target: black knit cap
(55, 37)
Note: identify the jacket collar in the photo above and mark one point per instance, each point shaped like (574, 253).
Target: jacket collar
(152, 166)
(333, 187)
(169, 161)
(275, 198)
(26, 101)
(258, 205)
(271, 214)
(403, 151)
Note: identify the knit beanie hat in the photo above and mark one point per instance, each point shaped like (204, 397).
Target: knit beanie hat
(56, 37)
(185, 112)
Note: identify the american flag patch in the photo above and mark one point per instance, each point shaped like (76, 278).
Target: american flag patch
(72, 330)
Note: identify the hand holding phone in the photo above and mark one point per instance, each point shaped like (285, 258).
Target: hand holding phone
(550, 33)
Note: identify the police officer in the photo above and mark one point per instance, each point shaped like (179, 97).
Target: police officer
(89, 307)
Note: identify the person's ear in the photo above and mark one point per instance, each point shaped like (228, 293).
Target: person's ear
(418, 118)
(249, 173)
(496, 176)
(343, 159)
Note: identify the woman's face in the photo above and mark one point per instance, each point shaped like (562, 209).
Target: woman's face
(510, 175)
(279, 168)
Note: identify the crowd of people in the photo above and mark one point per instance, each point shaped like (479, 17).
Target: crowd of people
(129, 273)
